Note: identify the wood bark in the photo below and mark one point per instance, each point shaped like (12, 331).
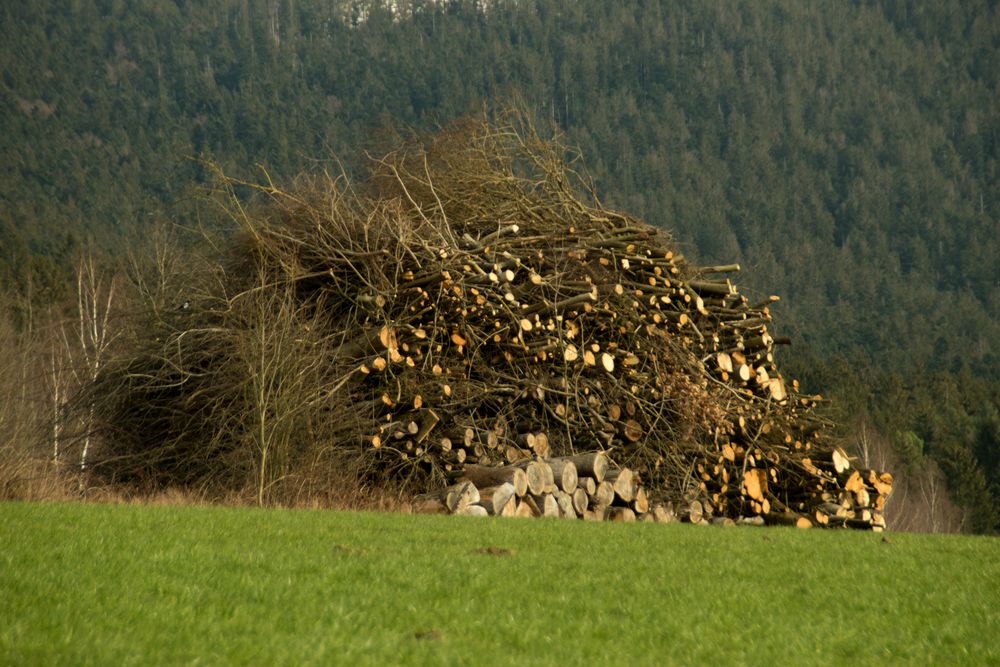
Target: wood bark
(788, 519)
(495, 498)
(621, 514)
(546, 504)
(472, 510)
(565, 501)
(460, 496)
(604, 494)
(483, 476)
(594, 465)
(526, 509)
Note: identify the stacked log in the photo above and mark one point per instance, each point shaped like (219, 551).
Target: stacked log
(663, 349)
(588, 487)
(826, 491)
(576, 487)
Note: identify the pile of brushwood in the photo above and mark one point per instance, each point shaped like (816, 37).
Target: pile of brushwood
(464, 308)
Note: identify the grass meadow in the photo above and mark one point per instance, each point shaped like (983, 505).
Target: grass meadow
(84, 584)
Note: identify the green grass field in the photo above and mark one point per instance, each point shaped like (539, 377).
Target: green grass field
(114, 585)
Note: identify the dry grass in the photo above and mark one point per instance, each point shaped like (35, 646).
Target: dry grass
(32, 479)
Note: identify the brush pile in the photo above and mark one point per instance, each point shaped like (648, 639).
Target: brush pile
(469, 316)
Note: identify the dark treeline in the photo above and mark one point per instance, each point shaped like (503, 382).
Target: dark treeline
(844, 153)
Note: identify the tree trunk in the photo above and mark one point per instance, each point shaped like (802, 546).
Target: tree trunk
(495, 498)
(622, 514)
(484, 476)
(624, 484)
(460, 496)
(593, 465)
(564, 474)
(536, 474)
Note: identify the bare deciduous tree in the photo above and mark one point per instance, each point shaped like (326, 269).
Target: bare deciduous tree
(95, 294)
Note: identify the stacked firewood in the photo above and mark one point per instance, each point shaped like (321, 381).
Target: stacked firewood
(611, 348)
(490, 323)
(821, 490)
(582, 486)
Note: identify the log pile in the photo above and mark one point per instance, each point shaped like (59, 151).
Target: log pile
(525, 325)
(575, 487)
(482, 318)
(607, 373)
(584, 487)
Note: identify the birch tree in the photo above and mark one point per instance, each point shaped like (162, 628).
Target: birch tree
(95, 294)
